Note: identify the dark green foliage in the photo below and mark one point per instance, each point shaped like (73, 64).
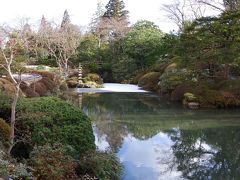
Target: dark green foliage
(123, 68)
(212, 41)
(100, 164)
(170, 80)
(88, 49)
(51, 120)
(168, 45)
(115, 9)
(143, 44)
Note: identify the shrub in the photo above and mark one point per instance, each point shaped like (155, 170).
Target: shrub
(137, 76)
(72, 82)
(63, 86)
(217, 99)
(160, 67)
(150, 81)
(52, 162)
(28, 91)
(171, 68)
(4, 131)
(100, 164)
(51, 86)
(46, 74)
(44, 86)
(7, 87)
(5, 81)
(9, 169)
(51, 120)
(230, 85)
(40, 88)
(93, 67)
(93, 77)
(170, 80)
(5, 103)
(178, 93)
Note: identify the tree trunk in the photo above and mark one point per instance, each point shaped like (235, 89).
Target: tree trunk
(226, 71)
(66, 68)
(13, 117)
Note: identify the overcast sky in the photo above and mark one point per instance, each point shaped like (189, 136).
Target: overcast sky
(81, 11)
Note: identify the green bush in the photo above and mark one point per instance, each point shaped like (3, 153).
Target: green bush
(52, 162)
(213, 98)
(93, 77)
(51, 120)
(230, 85)
(100, 164)
(93, 67)
(170, 80)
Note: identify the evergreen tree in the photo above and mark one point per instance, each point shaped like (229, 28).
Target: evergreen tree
(66, 19)
(115, 9)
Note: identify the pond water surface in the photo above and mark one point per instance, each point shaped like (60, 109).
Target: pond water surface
(155, 139)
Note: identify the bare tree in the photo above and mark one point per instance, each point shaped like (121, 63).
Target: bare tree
(10, 41)
(218, 5)
(60, 42)
(183, 11)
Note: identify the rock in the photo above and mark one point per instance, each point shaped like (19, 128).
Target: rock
(193, 105)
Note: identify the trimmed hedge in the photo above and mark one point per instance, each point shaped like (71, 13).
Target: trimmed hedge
(52, 120)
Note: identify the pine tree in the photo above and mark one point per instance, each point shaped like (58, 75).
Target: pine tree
(115, 9)
(66, 19)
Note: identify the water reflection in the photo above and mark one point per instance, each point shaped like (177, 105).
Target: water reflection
(155, 139)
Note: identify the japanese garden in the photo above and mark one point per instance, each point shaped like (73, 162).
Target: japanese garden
(122, 100)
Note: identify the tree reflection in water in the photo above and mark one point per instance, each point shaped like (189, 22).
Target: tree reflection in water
(204, 144)
(206, 153)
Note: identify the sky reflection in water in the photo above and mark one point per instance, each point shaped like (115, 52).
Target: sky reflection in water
(156, 140)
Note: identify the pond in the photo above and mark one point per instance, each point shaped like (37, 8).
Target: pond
(156, 139)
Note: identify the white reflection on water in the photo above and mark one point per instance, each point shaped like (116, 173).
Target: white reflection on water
(112, 87)
(141, 158)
